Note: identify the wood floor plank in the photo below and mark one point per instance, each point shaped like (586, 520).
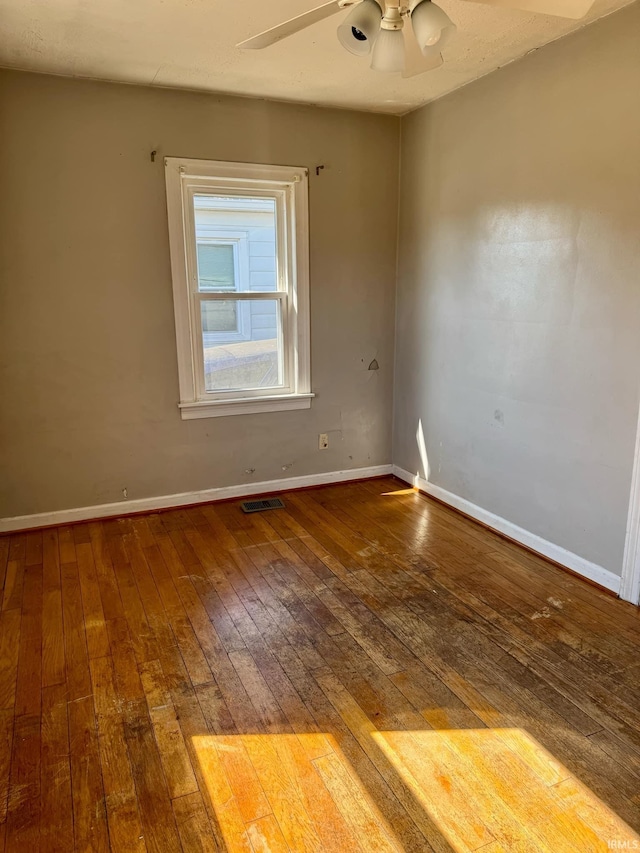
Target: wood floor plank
(78, 678)
(33, 555)
(173, 753)
(161, 558)
(268, 709)
(56, 818)
(24, 804)
(53, 668)
(29, 676)
(284, 795)
(50, 559)
(215, 710)
(81, 535)
(66, 545)
(225, 806)
(336, 833)
(96, 628)
(125, 831)
(196, 729)
(356, 811)
(89, 812)
(13, 584)
(266, 836)
(110, 599)
(10, 624)
(154, 803)
(6, 743)
(243, 779)
(193, 824)
(160, 640)
(580, 802)
(123, 657)
(139, 629)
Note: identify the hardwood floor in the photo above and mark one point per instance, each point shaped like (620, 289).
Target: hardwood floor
(364, 670)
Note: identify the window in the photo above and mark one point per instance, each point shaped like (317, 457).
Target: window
(240, 264)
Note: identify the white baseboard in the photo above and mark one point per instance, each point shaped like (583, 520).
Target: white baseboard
(577, 564)
(67, 516)
(572, 561)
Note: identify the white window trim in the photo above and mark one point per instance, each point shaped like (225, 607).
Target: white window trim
(184, 177)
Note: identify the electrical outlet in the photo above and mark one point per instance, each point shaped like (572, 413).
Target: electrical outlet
(323, 441)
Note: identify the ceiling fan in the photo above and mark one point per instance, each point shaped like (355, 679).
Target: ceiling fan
(404, 36)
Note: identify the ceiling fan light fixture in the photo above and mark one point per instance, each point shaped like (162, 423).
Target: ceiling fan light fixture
(388, 51)
(360, 28)
(432, 26)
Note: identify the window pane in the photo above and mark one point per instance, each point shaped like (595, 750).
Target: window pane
(245, 355)
(220, 317)
(216, 267)
(250, 223)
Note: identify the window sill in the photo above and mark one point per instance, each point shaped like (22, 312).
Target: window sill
(244, 406)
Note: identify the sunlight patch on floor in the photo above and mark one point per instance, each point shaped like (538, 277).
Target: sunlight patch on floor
(286, 792)
(484, 789)
(501, 788)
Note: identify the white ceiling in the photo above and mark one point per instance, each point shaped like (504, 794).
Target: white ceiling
(191, 44)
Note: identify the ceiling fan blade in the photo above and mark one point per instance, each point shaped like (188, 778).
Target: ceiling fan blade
(559, 8)
(294, 25)
(414, 60)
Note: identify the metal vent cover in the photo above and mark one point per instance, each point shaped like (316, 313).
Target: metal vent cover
(261, 505)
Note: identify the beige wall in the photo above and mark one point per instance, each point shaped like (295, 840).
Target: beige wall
(89, 381)
(518, 314)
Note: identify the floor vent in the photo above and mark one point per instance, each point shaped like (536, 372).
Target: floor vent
(261, 505)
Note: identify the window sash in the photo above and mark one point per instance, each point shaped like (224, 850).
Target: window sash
(285, 260)
(284, 285)
(284, 332)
